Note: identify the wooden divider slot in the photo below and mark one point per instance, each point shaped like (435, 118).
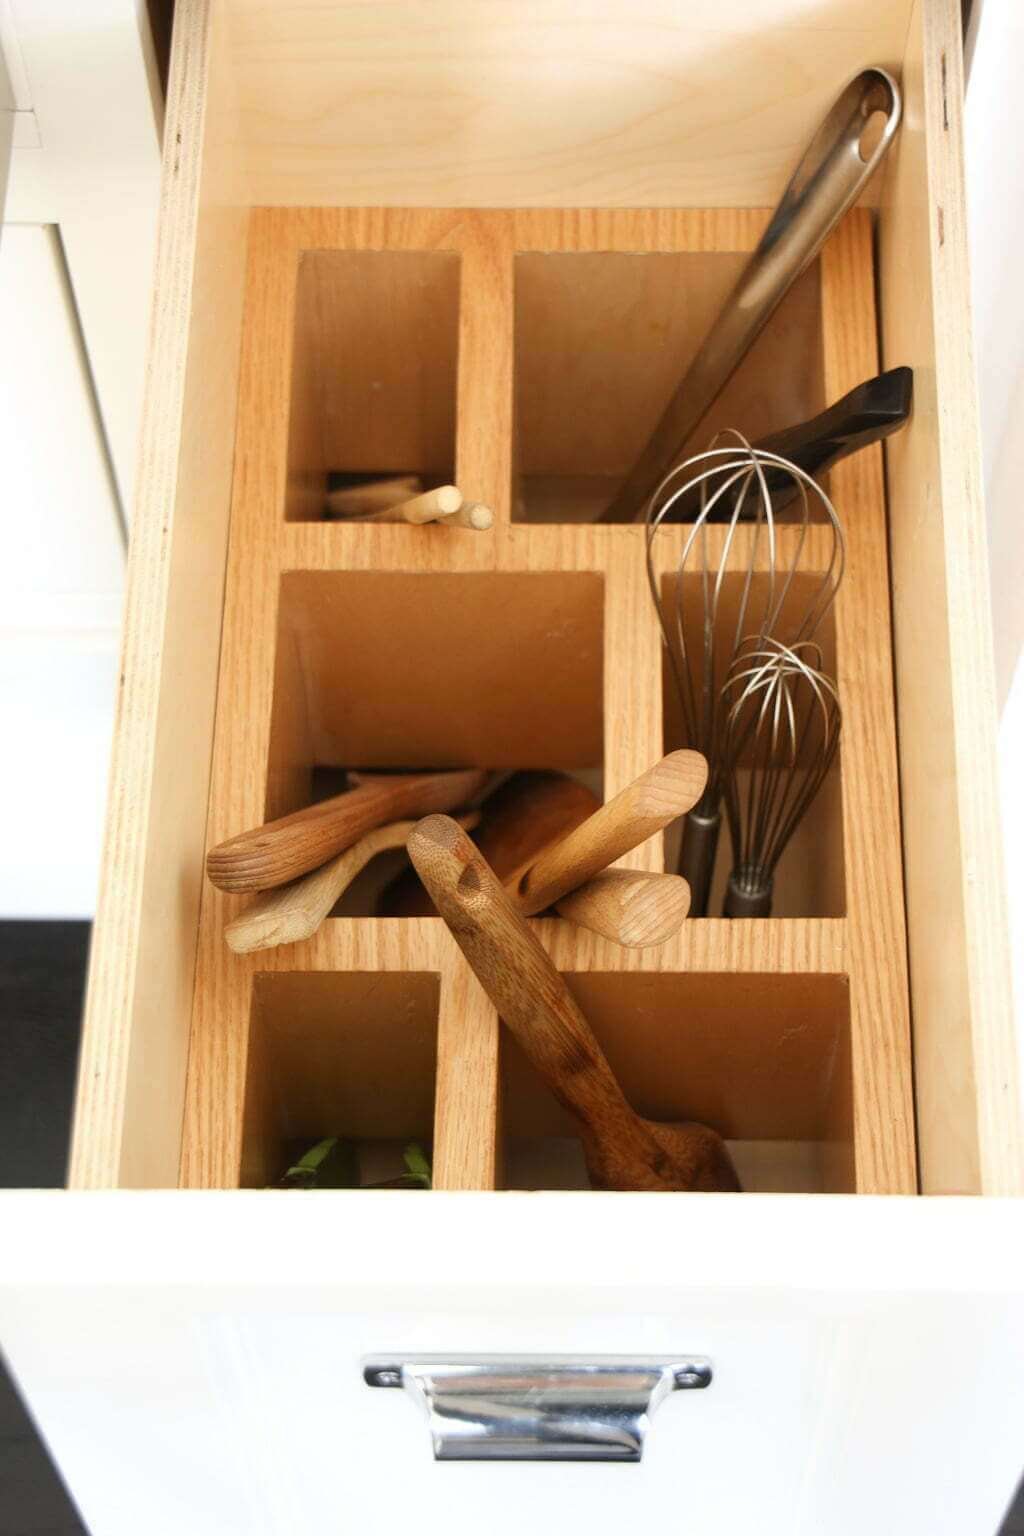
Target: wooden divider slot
(765, 1059)
(373, 372)
(532, 645)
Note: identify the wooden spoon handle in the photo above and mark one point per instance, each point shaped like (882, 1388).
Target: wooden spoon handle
(295, 911)
(431, 506)
(644, 807)
(520, 818)
(628, 906)
(521, 981)
(280, 851)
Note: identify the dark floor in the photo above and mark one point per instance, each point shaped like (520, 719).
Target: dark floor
(42, 970)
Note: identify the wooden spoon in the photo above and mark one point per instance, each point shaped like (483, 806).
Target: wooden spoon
(282, 850)
(532, 812)
(521, 818)
(289, 913)
(623, 1151)
(646, 806)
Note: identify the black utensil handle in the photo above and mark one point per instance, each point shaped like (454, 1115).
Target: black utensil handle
(697, 857)
(869, 413)
(741, 901)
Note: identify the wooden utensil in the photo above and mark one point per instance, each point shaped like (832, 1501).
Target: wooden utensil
(644, 807)
(623, 1151)
(628, 906)
(520, 818)
(295, 911)
(529, 813)
(472, 514)
(371, 496)
(432, 506)
(281, 850)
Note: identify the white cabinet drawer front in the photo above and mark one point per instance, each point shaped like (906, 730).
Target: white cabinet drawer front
(203, 1370)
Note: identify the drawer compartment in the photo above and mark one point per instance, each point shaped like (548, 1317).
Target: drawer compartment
(320, 324)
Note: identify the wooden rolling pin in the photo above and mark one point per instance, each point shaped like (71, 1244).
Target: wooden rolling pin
(293, 912)
(622, 1150)
(644, 807)
(530, 813)
(282, 850)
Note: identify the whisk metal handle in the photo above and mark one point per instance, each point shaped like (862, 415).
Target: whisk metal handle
(828, 181)
(697, 856)
(745, 899)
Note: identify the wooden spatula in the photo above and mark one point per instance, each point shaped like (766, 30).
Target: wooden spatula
(622, 1150)
(289, 913)
(520, 818)
(282, 850)
(533, 811)
(646, 806)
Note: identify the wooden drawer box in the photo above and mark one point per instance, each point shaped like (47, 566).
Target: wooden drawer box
(476, 238)
(477, 268)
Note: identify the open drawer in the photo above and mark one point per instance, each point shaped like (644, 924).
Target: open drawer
(464, 197)
(525, 349)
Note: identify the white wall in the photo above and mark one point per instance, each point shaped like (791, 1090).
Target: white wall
(61, 576)
(995, 189)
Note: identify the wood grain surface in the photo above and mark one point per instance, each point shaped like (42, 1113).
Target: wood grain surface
(622, 1150)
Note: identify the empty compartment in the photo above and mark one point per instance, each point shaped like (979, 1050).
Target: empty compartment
(762, 1059)
(352, 1055)
(602, 341)
(373, 373)
(810, 879)
(403, 671)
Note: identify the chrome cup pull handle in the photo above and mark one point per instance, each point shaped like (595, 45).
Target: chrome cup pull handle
(519, 1408)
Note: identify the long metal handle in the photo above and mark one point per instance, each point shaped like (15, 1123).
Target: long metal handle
(556, 1408)
(828, 180)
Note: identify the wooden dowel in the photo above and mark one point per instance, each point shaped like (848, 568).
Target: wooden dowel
(646, 806)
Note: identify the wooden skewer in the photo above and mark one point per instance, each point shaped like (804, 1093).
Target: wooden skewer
(295, 911)
(281, 850)
(373, 496)
(644, 807)
(622, 1150)
(439, 505)
(633, 908)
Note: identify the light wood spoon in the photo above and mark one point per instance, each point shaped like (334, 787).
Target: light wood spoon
(623, 1151)
(282, 850)
(293, 912)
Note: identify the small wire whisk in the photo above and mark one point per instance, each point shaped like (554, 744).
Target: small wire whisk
(736, 580)
(780, 736)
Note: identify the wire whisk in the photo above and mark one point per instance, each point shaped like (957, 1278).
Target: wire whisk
(739, 578)
(780, 736)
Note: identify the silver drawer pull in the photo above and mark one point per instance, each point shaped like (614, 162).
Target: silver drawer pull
(558, 1408)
